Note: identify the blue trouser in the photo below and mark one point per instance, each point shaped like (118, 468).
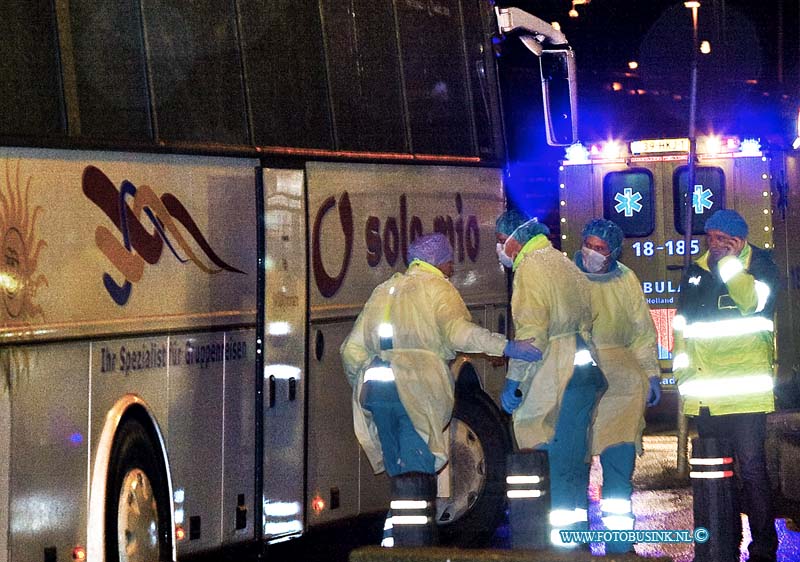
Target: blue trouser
(403, 449)
(618, 463)
(404, 452)
(567, 450)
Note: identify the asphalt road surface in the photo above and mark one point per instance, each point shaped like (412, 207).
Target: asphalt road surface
(661, 501)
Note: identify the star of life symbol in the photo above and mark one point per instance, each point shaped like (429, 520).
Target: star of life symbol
(701, 199)
(628, 202)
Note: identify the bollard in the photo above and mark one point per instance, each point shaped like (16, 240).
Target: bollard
(528, 494)
(715, 505)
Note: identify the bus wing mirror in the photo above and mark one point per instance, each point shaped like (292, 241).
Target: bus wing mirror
(558, 72)
(559, 87)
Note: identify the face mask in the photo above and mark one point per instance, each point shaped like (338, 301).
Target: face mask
(505, 261)
(593, 261)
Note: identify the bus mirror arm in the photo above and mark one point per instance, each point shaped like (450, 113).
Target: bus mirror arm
(511, 19)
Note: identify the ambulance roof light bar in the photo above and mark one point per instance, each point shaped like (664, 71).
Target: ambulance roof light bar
(711, 145)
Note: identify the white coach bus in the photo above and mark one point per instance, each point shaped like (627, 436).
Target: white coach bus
(186, 241)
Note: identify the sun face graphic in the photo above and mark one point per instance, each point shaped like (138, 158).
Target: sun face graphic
(19, 249)
(19, 257)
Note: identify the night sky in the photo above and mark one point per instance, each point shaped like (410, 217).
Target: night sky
(747, 84)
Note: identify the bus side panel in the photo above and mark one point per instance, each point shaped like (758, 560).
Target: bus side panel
(5, 462)
(361, 220)
(238, 437)
(195, 437)
(285, 318)
(335, 461)
(184, 255)
(363, 217)
(49, 447)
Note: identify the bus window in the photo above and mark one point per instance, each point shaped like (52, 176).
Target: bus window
(708, 196)
(110, 83)
(436, 87)
(284, 62)
(364, 74)
(628, 201)
(196, 71)
(29, 72)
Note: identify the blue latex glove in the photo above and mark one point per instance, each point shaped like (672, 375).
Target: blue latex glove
(511, 397)
(523, 350)
(654, 396)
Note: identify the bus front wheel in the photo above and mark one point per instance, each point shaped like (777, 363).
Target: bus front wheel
(478, 446)
(137, 500)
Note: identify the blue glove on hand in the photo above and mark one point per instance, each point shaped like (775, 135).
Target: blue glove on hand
(523, 350)
(654, 396)
(511, 397)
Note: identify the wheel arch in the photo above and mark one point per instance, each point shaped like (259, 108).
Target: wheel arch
(127, 407)
(469, 386)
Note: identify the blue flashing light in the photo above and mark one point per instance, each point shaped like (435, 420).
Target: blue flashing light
(76, 438)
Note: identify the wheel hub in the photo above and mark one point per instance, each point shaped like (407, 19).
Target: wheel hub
(137, 519)
(467, 473)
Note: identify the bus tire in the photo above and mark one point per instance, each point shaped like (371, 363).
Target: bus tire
(478, 459)
(138, 522)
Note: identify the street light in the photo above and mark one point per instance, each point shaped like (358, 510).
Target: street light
(683, 422)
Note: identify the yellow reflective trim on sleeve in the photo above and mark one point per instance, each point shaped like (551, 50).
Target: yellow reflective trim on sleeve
(728, 328)
(728, 268)
(715, 387)
(762, 290)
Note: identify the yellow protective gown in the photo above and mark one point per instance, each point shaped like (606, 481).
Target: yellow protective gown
(431, 323)
(625, 338)
(549, 302)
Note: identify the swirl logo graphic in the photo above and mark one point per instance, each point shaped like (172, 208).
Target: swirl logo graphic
(138, 246)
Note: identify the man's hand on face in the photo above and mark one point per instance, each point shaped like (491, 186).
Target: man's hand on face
(721, 245)
(732, 246)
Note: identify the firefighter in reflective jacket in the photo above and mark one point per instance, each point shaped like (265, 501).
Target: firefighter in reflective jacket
(625, 338)
(395, 358)
(723, 358)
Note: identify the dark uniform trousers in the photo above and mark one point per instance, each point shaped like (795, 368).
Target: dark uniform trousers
(746, 434)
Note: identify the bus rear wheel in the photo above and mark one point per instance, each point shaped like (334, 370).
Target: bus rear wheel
(476, 504)
(137, 503)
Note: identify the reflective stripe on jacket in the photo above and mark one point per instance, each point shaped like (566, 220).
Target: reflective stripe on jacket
(724, 334)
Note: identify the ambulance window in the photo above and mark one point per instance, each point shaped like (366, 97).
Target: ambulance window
(628, 201)
(708, 196)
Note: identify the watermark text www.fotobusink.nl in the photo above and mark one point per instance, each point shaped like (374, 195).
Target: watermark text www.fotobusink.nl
(700, 535)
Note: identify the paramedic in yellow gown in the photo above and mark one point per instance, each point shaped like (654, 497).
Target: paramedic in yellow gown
(625, 339)
(396, 359)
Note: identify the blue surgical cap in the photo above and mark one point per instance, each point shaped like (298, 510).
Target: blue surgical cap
(607, 231)
(509, 221)
(522, 228)
(728, 221)
(434, 249)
